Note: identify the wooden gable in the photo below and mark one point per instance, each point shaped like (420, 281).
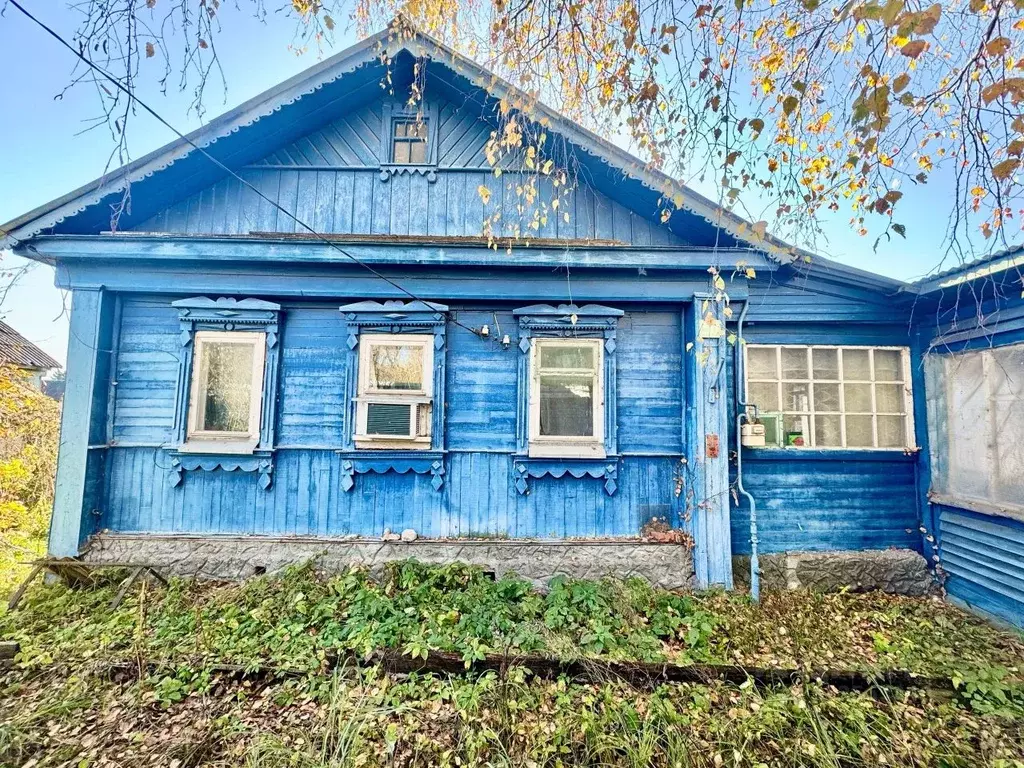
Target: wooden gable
(335, 179)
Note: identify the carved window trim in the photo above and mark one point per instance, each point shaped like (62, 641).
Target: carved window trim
(226, 315)
(415, 318)
(397, 112)
(567, 321)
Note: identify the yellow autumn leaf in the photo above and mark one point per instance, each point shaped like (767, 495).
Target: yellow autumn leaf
(485, 193)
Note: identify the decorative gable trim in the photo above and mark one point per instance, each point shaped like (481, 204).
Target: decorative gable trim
(395, 317)
(569, 321)
(201, 313)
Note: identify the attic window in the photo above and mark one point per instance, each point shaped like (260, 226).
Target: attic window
(409, 141)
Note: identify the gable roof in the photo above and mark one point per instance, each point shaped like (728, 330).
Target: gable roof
(289, 110)
(19, 351)
(316, 90)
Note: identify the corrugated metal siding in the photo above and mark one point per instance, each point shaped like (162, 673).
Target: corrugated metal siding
(983, 556)
(816, 504)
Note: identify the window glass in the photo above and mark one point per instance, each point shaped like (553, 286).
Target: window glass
(856, 365)
(566, 406)
(761, 363)
(794, 363)
(567, 390)
(860, 431)
(795, 429)
(225, 386)
(826, 397)
(826, 364)
(764, 395)
(796, 397)
(828, 431)
(409, 142)
(397, 367)
(888, 365)
(889, 398)
(857, 398)
(890, 432)
(566, 357)
(830, 397)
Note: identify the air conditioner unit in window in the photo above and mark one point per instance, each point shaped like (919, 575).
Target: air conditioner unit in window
(389, 420)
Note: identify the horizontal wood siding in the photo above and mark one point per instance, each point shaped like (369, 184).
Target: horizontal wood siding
(146, 373)
(306, 499)
(650, 382)
(983, 557)
(822, 504)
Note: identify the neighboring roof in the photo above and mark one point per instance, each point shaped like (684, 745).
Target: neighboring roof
(1008, 259)
(16, 349)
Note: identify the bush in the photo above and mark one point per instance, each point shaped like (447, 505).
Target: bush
(29, 436)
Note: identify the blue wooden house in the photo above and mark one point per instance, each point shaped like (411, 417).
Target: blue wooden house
(327, 325)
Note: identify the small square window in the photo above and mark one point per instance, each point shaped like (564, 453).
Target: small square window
(393, 407)
(226, 391)
(409, 142)
(567, 398)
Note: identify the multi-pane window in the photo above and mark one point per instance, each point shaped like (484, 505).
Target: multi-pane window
(395, 391)
(226, 390)
(831, 397)
(567, 398)
(409, 142)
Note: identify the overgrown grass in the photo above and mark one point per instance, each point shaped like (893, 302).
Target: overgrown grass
(62, 705)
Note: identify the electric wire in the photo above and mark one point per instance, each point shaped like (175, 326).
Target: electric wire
(135, 99)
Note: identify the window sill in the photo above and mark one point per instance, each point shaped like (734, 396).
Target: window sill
(377, 444)
(568, 451)
(218, 447)
(832, 454)
(605, 467)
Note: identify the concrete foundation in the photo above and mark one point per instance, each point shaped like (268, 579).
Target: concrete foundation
(896, 571)
(669, 566)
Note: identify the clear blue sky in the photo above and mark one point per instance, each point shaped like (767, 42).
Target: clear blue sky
(45, 154)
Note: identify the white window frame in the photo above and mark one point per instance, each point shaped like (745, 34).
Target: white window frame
(812, 414)
(207, 440)
(566, 446)
(419, 399)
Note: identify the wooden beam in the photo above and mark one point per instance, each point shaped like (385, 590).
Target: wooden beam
(83, 421)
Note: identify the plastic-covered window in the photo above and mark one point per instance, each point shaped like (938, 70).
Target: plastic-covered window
(976, 411)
